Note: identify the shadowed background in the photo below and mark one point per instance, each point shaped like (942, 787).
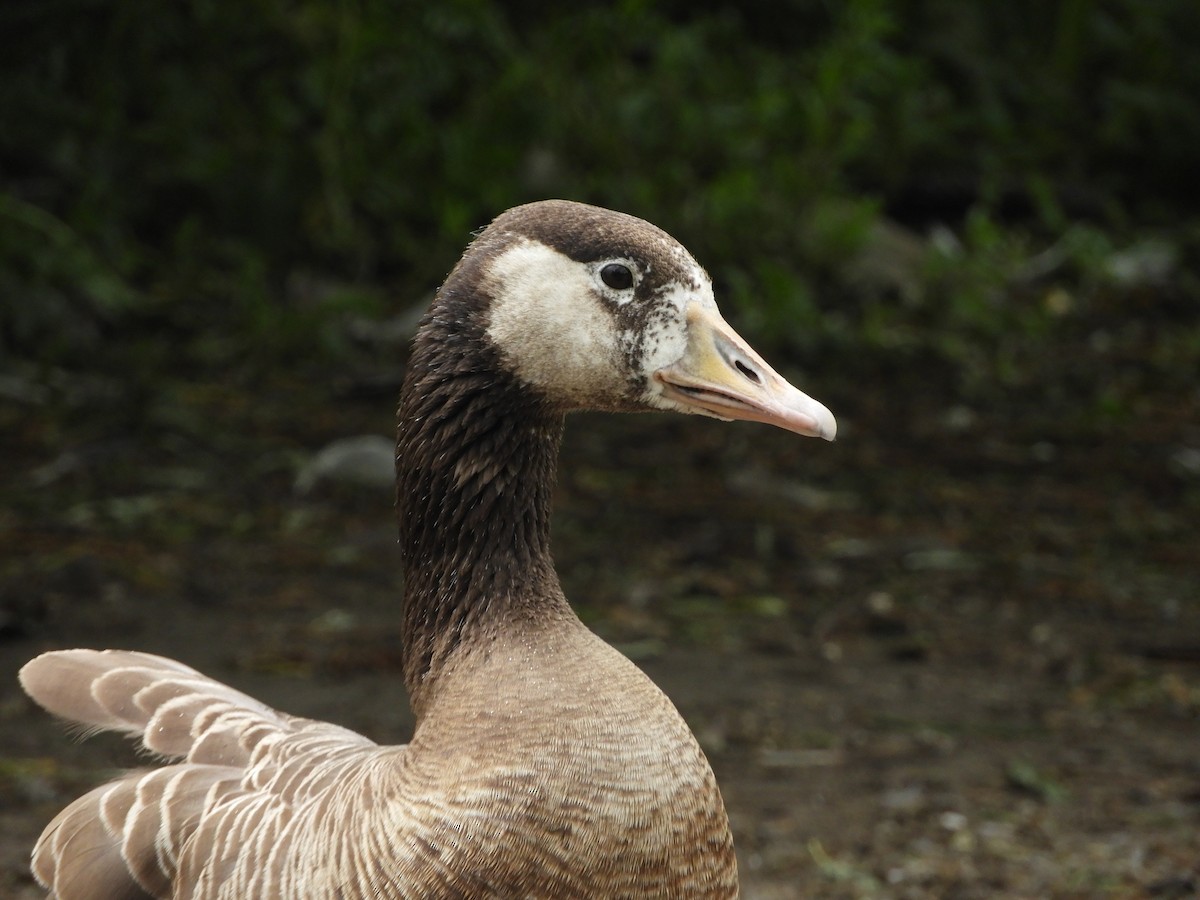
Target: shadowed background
(953, 655)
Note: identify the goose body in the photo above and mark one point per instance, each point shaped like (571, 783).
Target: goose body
(543, 763)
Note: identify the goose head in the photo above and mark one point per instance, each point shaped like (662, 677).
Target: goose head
(594, 309)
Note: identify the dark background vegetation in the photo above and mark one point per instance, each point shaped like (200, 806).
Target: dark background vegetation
(973, 228)
(180, 165)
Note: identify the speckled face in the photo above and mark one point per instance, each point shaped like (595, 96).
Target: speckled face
(587, 304)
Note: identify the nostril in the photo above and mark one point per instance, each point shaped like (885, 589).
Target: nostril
(747, 371)
(735, 358)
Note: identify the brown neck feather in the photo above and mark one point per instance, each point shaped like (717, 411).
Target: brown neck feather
(475, 462)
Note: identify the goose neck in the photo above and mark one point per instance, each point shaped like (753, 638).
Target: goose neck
(476, 460)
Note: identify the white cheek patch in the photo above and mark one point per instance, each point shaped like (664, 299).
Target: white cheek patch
(548, 322)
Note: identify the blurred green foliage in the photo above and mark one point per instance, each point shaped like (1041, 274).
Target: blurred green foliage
(185, 166)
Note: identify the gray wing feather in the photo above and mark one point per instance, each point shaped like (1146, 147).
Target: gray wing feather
(241, 766)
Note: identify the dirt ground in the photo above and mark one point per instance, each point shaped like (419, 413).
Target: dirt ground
(955, 654)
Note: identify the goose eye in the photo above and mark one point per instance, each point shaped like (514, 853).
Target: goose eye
(617, 276)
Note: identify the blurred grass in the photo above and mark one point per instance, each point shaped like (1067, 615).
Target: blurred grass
(902, 178)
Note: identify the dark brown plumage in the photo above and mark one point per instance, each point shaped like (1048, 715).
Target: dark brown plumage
(543, 764)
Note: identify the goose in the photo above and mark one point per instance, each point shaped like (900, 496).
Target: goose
(543, 763)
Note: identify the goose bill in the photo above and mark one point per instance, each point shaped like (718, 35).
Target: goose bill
(720, 375)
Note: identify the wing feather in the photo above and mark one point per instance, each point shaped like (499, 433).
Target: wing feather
(244, 768)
